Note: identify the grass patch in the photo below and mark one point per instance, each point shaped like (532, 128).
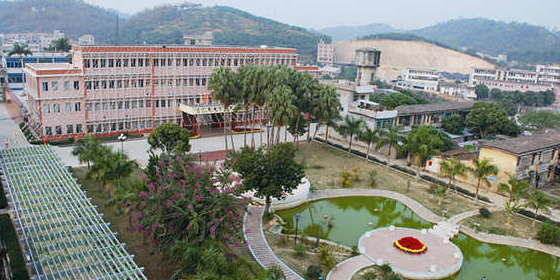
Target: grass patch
(3, 199)
(497, 224)
(334, 162)
(17, 264)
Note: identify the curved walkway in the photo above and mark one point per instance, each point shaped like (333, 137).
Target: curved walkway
(256, 241)
(346, 269)
(418, 208)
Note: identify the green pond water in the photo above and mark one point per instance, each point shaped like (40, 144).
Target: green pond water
(350, 217)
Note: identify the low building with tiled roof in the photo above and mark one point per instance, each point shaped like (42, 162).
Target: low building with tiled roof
(423, 114)
(533, 158)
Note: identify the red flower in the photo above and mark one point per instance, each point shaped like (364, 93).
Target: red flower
(410, 245)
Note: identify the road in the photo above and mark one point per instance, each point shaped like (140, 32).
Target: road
(9, 130)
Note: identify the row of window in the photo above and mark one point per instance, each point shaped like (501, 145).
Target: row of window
(134, 104)
(58, 129)
(54, 86)
(141, 83)
(181, 62)
(69, 107)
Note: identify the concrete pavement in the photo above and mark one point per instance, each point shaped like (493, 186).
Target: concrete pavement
(9, 130)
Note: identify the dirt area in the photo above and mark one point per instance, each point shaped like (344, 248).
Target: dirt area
(497, 224)
(397, 55)
(325, 164)
(283, 247)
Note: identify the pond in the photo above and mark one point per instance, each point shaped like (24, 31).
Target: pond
(350, 217)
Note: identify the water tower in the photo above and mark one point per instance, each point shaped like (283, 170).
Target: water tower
(367, 62)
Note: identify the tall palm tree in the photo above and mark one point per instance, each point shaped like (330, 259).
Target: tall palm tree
(86, 149)
(369, 136)
(326, 104)
(538, 201)
(391, 137)
(452, 168)
(481, 170)
(20, 50)
(350, 126)
(224, 88)
(514, 188)
(423, 143)
(282, 108)
(302, 86)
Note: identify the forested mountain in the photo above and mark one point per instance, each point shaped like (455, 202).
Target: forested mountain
(345, 33)
(168, 24)
(520, 41)
(75, 18)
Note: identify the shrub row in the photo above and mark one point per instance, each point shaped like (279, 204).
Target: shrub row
(3, 200)
(17, 263)
(70, 140)
(356, 152)
(459, 189)
(404, 169)
(541, 218)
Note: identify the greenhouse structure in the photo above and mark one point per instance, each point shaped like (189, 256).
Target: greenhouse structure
(62, 233)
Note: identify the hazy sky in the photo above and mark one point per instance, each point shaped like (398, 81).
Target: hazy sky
(403, 14)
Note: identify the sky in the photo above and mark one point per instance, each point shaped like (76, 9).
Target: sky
(401, 14)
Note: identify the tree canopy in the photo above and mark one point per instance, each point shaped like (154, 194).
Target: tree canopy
(539, 120)
(170, 138)
(270, 173)
(453, 124)
(488, 118)
(481, 92)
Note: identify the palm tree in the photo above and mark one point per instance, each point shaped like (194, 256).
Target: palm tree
(511, 208)
(538, 201)
(282, 108)
(391, 138)
(423, 143)
(86, 149)
(514, 188)
(119, 167)
(325, 108)
(224, 88)
(350, 126)
(20, 50)
(482, 169)
(452, 168)
(303, 85)
(369, 136)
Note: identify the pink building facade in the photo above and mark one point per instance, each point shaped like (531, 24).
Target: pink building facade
(109, 90)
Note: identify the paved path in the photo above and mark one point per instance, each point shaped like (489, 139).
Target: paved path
(346, 269)
(258, 245)
(9, 130)
(418, 208)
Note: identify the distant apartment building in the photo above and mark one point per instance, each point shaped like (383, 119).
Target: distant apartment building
(456, 89)
(329, 71)
(325, 53)
(86, 40)
(532, 158)
(36, 42)
(419, 79)
(550, 74)
(15, 68)
(199, 40)
(509, 79)
(109, 90)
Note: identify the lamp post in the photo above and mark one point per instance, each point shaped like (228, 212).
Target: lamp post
(122, 138)
(296, 218)
(199, 157)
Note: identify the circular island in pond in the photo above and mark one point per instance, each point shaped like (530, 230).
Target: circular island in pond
(418, 255)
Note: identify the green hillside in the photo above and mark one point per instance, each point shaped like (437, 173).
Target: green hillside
(75, 18)
(168, 23)
(520, 41)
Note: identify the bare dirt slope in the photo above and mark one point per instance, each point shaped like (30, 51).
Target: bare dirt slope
(397, 55)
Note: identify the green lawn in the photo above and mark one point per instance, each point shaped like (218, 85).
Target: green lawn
(325, 164)
(497, 224)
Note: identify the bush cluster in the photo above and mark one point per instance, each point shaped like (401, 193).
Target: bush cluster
(404, 169)
(459, 189)
(548, 233)
(17, 264)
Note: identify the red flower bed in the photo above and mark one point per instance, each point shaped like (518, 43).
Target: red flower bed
(411, 245)
(238, 130)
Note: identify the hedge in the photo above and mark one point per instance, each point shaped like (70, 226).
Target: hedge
(356, 152)
(404, 169)
(17, 264)
(531, 215)
(459, 189)
(3, 200)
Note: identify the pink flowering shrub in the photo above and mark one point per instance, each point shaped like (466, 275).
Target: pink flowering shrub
(185, 206)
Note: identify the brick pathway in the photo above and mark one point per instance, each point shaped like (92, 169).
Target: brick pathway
(259, 246)
(346, 269)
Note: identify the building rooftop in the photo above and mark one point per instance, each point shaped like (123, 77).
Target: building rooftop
(49, 66)
(526, 144)
(181, 48)
(434, 107)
